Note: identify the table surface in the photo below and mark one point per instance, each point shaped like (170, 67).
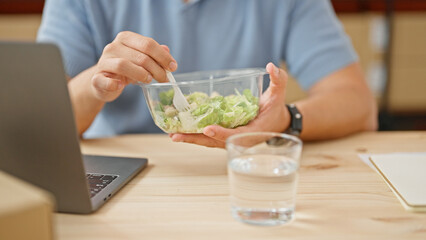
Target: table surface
(184, 194)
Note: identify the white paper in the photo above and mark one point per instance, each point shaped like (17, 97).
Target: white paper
(365, 157)
(406, 181)
(405, 174)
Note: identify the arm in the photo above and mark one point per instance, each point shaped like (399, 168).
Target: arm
(338, 105)
(321, 57)
(85, 105)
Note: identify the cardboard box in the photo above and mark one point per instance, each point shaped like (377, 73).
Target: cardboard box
(26, 211)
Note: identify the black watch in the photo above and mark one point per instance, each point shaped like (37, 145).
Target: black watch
(295, 127)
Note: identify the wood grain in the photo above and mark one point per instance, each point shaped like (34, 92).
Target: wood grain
(183, 194)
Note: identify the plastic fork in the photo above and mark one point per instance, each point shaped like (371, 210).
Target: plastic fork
(179, 100)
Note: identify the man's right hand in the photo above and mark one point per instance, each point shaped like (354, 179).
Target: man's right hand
(130, 58)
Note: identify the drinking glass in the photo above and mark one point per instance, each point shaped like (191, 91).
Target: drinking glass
(263, 175)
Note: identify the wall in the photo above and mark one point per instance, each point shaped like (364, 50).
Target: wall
(19, 27)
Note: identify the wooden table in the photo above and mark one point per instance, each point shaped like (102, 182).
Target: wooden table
(183, 194)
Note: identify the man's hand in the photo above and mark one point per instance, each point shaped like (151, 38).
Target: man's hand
(130, 58)
(273, 115)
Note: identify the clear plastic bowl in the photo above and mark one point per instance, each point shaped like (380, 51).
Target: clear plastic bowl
(229, 98)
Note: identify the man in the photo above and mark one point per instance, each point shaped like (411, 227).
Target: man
(107, 45)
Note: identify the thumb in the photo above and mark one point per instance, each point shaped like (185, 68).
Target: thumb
(278, 78)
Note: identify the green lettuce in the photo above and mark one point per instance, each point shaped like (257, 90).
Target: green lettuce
(166, 98)
(229, 111)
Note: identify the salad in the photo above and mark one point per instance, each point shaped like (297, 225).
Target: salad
(229, 112)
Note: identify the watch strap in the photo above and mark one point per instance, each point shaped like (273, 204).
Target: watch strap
(296, 118)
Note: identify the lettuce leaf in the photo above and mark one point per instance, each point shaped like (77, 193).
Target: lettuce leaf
(166, 98)
(230, 111)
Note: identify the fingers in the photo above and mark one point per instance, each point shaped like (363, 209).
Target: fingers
(142, 60)
(149, 47)
(107, 82)
(107, 86)
(199, 139)
(118, 50)
(220, 133)
(125, 68)
(278, 79)
(213, 136)
(165, 48)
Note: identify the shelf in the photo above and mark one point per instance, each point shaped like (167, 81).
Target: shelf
(341, 6)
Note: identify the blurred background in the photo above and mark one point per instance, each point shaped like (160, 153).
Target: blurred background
(388, 35)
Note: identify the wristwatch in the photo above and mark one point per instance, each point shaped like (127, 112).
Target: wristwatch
(295, 127)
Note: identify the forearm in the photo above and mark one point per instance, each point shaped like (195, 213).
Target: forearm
(85, 105)
(326, 118)
(339, 109)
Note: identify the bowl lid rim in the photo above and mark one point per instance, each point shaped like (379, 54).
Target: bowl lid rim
(245, 72)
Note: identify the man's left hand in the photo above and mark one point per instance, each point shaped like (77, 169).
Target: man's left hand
(273, 115)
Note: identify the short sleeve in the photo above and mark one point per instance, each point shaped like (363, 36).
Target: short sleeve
(317, 45)
(64, 23)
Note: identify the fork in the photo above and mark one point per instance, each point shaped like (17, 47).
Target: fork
(179, 100)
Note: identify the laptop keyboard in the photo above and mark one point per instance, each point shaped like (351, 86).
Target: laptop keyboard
(97, 182)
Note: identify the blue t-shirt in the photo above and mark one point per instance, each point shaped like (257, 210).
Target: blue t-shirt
(202, 35)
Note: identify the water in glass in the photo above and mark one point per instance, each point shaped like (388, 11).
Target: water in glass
(263, 188)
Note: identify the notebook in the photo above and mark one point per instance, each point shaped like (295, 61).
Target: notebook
(405, 174)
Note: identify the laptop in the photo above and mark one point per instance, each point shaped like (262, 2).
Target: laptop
(38, 137)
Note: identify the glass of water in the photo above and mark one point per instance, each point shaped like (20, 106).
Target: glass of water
(263, 175)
